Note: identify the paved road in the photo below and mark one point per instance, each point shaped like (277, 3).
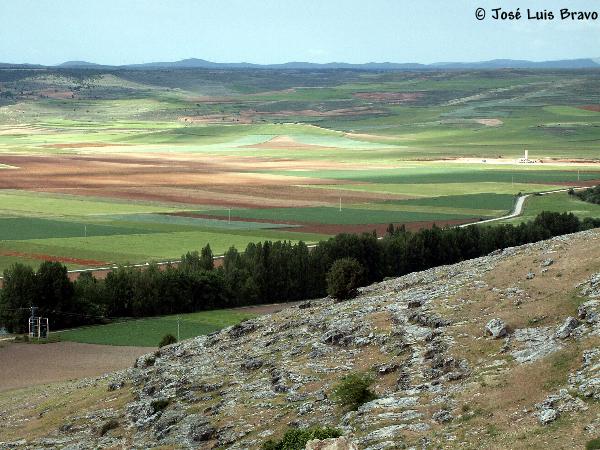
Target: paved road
(518, 208)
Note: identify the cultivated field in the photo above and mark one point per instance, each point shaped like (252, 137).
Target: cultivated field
(23, 365)
(129, 166)
(149, 332)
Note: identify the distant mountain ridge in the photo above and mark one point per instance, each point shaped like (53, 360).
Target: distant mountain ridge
(195, 63)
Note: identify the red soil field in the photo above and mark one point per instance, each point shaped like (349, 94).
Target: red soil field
(595, 108)
(62, 259)
(177, 178)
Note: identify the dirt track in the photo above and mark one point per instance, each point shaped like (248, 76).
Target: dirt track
(24, 365)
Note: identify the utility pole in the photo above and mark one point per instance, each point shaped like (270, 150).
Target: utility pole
(85, 230)
(229, 219)
(178, 329)
(340, 204)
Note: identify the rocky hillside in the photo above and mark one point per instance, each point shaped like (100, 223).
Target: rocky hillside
(498, 352)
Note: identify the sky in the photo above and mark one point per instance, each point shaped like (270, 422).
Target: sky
(275, 31)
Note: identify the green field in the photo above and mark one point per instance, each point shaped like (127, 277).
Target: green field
(152, 164)
(149, 332)
(560, 201)
(347, 216)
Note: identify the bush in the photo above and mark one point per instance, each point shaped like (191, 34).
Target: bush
(107, 426)
(353, 390)
(167, 339)
(159, 405)
(296, 439)
(344, 277)
(593, 444)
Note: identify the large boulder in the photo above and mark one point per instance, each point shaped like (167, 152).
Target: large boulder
(589, 311)
(496, 328)
(565, 330)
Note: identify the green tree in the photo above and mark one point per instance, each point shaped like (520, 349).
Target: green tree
(55, 295)
(17, 295)
(89, 297)
(207, 261)
(344, 277)
(191, 262)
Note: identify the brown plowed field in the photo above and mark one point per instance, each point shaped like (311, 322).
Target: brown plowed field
(200, 180)
(590, 107)
(24, 365)
(62, 259)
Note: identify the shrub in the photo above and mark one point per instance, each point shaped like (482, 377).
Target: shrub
(107, 426)
(159, 405)
(593, 444)
(296, 439)
(354, 390)
(167, 339)
(344, 277)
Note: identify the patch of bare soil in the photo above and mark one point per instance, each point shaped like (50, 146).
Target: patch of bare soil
(379, 228)
(371, 136)
(489, 122)
(30, 364)
(595, 108)
(83, 144)
(56, 94)
(284, 142)
(217, 118)
(44, 257)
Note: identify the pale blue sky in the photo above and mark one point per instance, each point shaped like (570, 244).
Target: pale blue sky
(275, 31)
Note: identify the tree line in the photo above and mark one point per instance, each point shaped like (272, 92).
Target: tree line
(265, 272)
(591, 195)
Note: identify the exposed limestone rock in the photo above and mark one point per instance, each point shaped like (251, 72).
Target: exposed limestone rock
(565, 330)
(341, 443)
(496, 328)
(591, 287)
(550, 409)
(547, 415)
(586, 380)
(534, 343)
(590, 311)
